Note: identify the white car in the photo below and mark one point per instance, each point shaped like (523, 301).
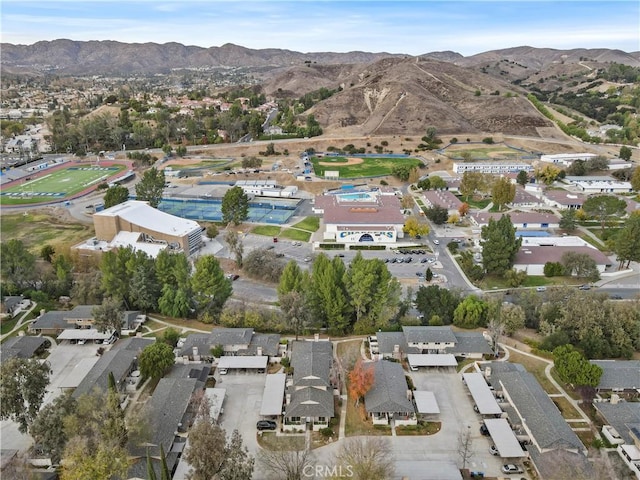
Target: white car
(541, 289)
(436, 242)
(511, 468)
(222, 371)
(493, 450)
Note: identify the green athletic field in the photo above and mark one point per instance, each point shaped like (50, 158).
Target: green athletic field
(57, 185)
(368, 167)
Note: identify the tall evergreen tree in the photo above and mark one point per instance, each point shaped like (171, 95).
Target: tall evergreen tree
(151, 186)
(499, 245)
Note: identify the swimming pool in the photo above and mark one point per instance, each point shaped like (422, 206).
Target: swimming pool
(356, 197)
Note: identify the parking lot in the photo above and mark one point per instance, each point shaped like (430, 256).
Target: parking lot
(242, 405)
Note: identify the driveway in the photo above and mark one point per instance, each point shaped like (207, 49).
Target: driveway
(242, 405)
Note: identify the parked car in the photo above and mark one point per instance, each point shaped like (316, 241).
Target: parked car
(266, 425)
(223, 371)
(436, 242)
(615, 296)
(511, 468)
(585, 287)
(541, 289)
(424, 260)
(484, 430)
(493, 450)
(233, 276)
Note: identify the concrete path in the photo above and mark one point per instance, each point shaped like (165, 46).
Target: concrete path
(21, 322)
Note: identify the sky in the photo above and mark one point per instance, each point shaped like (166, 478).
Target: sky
(413, 27)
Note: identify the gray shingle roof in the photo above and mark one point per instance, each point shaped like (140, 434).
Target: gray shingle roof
(11, 301)
(205, 341)
(388, 340)
(231, 336)
(621, 416)
(544, 420)
(619, 374)
(20, 347)
(389, 391)
(311, 362)
(119, 360)
(59, 318)
(269, 343)
(310, 402)
(470, 342)
(202, 341)
(563, 465)
(429, 334)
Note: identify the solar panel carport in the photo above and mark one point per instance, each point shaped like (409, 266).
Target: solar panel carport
(504, 438)
(482, 396)
(432, 360)
(249, 362)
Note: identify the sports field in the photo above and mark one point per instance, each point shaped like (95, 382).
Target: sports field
(359, 167)
(57, 185)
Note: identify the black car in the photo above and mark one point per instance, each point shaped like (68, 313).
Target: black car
(424, 260)
(484, 430)
(266, 425)
(615, 296)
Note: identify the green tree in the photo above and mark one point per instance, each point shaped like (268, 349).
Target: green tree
(291, 280)
(627, 241)
(437, 214)
(23, 383)
(235, 245)
(235, 206)
(428, 276)
(499, 245)
(151, 186)
(47, 252)
(433, 300)
(635, 179)
(573, 368)
(155, 360)
(514, 277)
(522, 178)
(48, 430)
(144, 289)
(568, 219)
(470, 183)
(210, 286)
(17, 266)
(503, 192)
(211, 455)
(513, 317)
(327, 294)
(114, 429)
(437, 182)
(604, 207)
(581, 265)
(553, 269)
(108, 316)
(294, 307)
(625, 153)
(104, 461)
(115, 195)
(547, 174)
(470, 313)
(212, 230)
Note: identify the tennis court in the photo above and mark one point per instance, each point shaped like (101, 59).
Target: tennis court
(58, 184)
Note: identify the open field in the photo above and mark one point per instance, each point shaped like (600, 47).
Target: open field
(483, 152)
(310, 224)
(58, 184)
(536, 368)
(46, 226)
(368, 167)
(293, 234)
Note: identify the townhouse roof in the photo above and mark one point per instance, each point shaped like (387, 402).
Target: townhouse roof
(62, 318)
(549, 429)
(268, 342)
(384, 210)
(524, 197)
(619, 374)
(470, 342)
(11, 301)
(20, 347)
(231, 336)
(539, 255)
(310, 402)
(389, 391)
(563, 464)
(117, 361)
(623, 416)
(311, 362)
(482, 218)
(443, 334)
(145, 216)
(388, 340)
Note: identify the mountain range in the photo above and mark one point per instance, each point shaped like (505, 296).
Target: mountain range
(378, 93)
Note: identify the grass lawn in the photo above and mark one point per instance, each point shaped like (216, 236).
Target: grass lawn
(535, 367)
(358, 422)
(568, 411)
(270, 441)
(7, 325)
(292, 234)
(266, 230)
(490, 282)
(58, 185)
(589, 239)
(179, 323)
(23, 328)
(310, 224)
(481, 152)
(38, 229)
(370, 166)
(422, 428)
(474, 203)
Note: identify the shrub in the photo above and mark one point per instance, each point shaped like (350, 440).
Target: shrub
(326, 432)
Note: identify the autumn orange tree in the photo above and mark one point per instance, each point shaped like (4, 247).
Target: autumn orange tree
(360, 380)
